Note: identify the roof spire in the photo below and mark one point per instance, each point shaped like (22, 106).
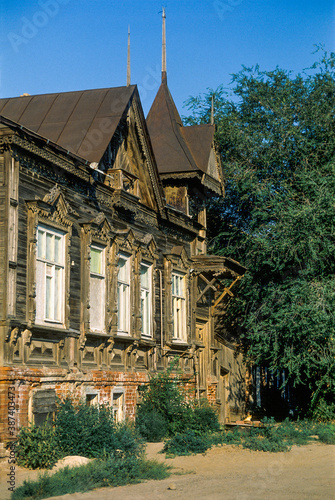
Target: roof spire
(128, 59)
(212, 111)
(164, 75)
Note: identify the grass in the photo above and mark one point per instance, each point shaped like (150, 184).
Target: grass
(130, 469)
(272, 437)
(96, 474)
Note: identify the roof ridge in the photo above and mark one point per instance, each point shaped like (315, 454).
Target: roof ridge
(177, 132)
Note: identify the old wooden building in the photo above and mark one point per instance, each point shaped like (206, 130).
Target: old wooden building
(103, 264)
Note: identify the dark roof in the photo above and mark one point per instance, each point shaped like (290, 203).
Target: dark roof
(218, 265)
(199, 139)
(81, 122)
(177, 148)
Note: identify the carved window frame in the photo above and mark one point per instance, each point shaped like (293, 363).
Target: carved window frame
(147, 256)
(50, 269)
(178, 264)
(124, 293)
(54, 212)
(96, 234)
(146, 300)
(179, 306)
(123, 244)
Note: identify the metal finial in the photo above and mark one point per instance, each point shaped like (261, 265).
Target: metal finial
(128, 59)
(212, 111)
(164, 75)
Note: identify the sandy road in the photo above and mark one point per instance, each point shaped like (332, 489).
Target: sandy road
(226, 472)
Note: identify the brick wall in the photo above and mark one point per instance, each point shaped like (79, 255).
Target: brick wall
(73, 384)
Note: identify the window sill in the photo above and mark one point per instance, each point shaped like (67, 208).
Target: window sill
(147, 341)
(36, 328)
(125, 337)
(97, 334)
(177, 343)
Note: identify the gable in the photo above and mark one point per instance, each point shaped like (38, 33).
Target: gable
(129, 162)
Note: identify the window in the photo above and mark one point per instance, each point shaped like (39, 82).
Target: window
(178, 306)
(118, 406)
(146, 297)
(123, 294)
(42, 406)
(50, 268)
(97, 288)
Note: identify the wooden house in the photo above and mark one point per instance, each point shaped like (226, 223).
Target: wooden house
(104, 275)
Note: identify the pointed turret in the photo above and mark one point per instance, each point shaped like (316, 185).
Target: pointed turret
(181, 152)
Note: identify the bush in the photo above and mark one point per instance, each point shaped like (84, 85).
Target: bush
(187, 443)
(99, 473)
(78, 429)
(205, 419)
(37, 447)
(151, 424)
(90, 431)
(165, 412)
(326, 433)
(165, 399)
(324, 411)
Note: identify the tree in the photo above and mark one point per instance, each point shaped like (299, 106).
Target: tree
(277, 143)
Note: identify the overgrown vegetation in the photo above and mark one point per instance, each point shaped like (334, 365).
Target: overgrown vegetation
(272, 437)
(78, 429)
(277, 144)
(37, 447)
(167, 409)
(89, 431)
(114, 471)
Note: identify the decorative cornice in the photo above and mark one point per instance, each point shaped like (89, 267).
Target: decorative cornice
(47, 155)
(5, 142)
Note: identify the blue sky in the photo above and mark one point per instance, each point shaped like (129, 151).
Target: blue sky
(63, 45)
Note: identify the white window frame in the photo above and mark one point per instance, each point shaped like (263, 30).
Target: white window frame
(146, 301)
(123, 297)
(178, 292)
(50, 276)
(97, 304)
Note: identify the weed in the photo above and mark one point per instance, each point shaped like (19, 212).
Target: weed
(96, 474)
(187, 443)
(36, 447)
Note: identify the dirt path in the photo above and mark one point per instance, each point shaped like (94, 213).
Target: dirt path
(306, 472)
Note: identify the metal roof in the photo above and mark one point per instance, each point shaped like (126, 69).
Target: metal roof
(82, 122)
(177, 148)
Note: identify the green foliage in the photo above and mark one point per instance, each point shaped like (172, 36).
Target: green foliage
(78, 429)
(323, 411)
(151, 424)
(187, 443)
(204, 419)
(99, 473)
(91, 432)
(326, 433)
(280, 437)
(165, 410)
(36, 447)
(277, 145)
(272, 437)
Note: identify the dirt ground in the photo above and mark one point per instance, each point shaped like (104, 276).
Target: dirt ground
(227, 472)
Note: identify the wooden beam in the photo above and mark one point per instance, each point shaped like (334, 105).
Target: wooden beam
(226, 291)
